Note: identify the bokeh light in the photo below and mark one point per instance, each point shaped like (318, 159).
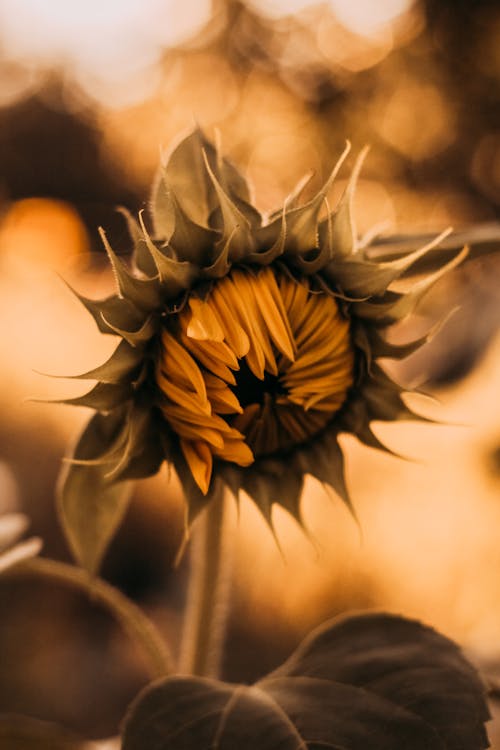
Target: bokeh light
(112, 48)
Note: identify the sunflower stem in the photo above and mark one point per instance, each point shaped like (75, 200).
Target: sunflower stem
(134, 622)
(208, 594)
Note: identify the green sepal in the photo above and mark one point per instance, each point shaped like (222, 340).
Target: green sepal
(91, 508)
(143, 293)
(102, 397)
(233, 183)
(236, 228)
(220, 265)
(175, 276)
(343, 228)
(302, 222)
(160, 208)
(481, 238)
(190, 241)
(120, 366)
(271, 481)
(382, 397)
(139, 336)
(293, 198)
(394, 306)
(323, 459)
(358, 276)
(355, 419)
(141, 257)
(184, 168)
(113, 307)
(271, 241)
(231, 474)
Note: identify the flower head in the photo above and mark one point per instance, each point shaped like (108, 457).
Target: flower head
(247, 345)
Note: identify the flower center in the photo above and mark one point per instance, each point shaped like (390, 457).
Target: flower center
(259, 366)
(250, 389)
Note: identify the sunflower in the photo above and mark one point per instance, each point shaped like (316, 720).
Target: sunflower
(246, 345)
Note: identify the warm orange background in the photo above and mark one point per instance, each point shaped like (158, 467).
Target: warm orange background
(89, 96)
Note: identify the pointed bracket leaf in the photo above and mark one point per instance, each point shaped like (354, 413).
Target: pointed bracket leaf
(344, 237)
(143, 293)
(176, 276)
(236, 226)
(302, 222)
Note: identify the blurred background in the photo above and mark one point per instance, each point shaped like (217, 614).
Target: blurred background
(90, 94)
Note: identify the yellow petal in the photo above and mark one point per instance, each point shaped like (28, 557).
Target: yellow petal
(199, 459)
(178, 365)
(213, 364)
(273, 313)
(259, 332)
(243, 306)
(195, 432)
(223, 400)
(237, 451)
(234, 334)
(187, 400)
(203, 324)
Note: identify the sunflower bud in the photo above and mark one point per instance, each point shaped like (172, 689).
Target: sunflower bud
(246, 345)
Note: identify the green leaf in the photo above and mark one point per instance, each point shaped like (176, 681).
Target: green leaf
(24, 733)
(374, 681)
(89, 506)
(141, 447)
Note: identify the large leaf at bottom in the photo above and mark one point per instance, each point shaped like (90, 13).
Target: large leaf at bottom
(372, 682)
(90, 507)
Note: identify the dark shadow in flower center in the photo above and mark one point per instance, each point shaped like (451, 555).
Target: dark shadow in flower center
(250, 390)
